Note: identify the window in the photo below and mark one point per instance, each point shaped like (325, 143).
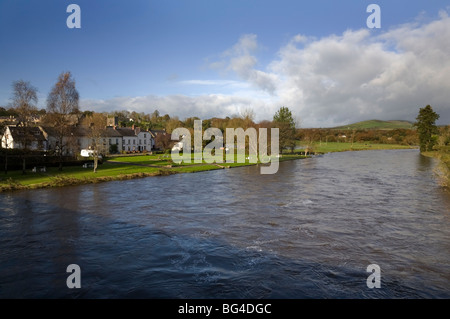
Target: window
(145, 135)
(128, 142)
(145, 141)
(109, 141)
(140, 142)
(117, 141)
(134, 142)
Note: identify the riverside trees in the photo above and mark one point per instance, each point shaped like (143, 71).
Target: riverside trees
(284, 120)
(24, 102)
(62, 102)
(426, 128)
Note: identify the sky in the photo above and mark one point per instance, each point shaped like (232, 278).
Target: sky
(218, 58)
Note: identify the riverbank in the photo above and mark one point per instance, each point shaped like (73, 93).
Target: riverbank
(331, 147)
(115, 168)
(138, 166)
(443, 168)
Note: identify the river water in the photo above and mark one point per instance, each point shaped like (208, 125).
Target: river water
(309, 231)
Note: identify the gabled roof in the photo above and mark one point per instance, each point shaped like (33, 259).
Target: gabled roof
(156, 132)
(125, 131)
(32, 133)
(128, 131)
(111, 132)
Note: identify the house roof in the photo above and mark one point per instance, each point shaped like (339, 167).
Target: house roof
(156, 132)
(31, 133)
(128, 131)
(125, 131)
(111, 132)
(82, 131)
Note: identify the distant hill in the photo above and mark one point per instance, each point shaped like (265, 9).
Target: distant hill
(377, 125)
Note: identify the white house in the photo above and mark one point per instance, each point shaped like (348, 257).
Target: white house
(112, 140)
(19, 137)
(78, 139)
(134, 139)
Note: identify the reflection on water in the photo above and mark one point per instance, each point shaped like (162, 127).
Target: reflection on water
(308, 231)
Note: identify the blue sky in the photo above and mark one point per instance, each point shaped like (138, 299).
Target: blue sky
(218, 58)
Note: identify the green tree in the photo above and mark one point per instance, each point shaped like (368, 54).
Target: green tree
(284, 120)
(426, 128)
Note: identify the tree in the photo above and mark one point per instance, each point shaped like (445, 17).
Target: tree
(24, 102)
(426, 128)
(163, 141)
(172, 124)
(62, 102)
(284, 120)
(95, 126)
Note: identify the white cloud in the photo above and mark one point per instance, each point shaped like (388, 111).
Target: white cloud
(356, 76)
(205, 106)
(329, 81)
(241, 60)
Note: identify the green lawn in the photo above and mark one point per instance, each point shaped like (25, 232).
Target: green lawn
(377, 124)
(342, 147)
(160, 160)
(72, 175)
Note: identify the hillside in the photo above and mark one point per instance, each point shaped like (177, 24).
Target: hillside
(377, 125)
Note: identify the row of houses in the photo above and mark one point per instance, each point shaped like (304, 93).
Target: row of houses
(112, 139)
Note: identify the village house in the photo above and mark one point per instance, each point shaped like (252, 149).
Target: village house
(134, 139)
(46, 138)
(78, 138)
(20, 137)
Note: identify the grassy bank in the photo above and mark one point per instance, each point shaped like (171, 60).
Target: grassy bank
(345, 147)
(127, 167)
(443, 168)
(115, 168)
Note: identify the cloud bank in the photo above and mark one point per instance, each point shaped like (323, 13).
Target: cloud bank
(334, 80)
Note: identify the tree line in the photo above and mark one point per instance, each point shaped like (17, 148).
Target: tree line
(62, 111)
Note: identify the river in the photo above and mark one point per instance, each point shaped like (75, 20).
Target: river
(308, 231)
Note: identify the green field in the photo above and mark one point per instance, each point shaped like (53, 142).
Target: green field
(342, 147)
(377, 125)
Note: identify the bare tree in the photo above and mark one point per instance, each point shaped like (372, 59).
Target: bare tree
(95, 125)
(24, 102)
(164, 142)
(62, 103)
